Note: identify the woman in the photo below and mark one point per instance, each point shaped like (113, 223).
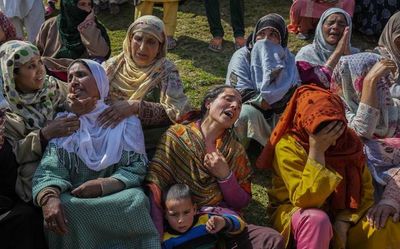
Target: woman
(304, 14)
(389, 47)
(320, 181)
(33, 98)
(144, 82)
(265, 73)
(88, 183)
(316, 61)
(206, 156)
(74, 33)
(170, 13)
(364, 82)
(370, 17)
(30, 101)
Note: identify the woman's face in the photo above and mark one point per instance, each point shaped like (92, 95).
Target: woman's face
(333, 28)
(225, 109)
(397, 42)
(144, 48)
(85, 5)
(30, 76)
(81, 82)
(270, 34)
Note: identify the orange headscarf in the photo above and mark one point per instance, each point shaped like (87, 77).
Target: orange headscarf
(308, 108)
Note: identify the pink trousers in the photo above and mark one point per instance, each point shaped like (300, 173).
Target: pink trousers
(312, 229)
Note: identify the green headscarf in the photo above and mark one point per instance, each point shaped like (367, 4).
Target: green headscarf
(67, 22)
(37, 107)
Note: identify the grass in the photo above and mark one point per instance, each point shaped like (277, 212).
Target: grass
(200, 68)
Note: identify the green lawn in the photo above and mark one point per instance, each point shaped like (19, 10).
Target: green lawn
(201, 68)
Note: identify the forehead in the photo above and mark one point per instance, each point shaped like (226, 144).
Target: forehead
(179, 203)
(84, 1)
(336, 17)
(230, 92)
(144, 35)
(78, 66)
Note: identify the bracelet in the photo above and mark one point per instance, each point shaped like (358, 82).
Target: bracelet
(226, 178)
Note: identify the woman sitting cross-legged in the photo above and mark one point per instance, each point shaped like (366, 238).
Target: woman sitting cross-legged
(321, 184)
(89, 183)
(206, 155)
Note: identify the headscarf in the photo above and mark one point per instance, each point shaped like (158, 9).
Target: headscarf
(34, 108)
(100, 147)
(347, 81)
(274, 21)
(67, 22)
(8, 27)
(319, 51)
(389, 34)
(128, 80)
(309, 107)
(273, 70)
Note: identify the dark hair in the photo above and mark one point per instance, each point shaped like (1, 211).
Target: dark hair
(177, 192)
(212, 94)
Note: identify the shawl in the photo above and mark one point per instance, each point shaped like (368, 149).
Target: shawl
(388, 36)
(34, 108)
(274, 21)
(67, 22)
(8, 27)
(273, 70)
(347, 81)
(319, 51)
(180, 159)
(132, 82)
(309, 107)
(100, 147)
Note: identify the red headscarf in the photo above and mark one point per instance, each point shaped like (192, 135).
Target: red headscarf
(8, 28)
(308, 108)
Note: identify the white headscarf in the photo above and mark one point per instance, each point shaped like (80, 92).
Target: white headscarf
(99, 147)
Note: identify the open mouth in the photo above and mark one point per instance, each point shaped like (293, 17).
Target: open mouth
(228, 113)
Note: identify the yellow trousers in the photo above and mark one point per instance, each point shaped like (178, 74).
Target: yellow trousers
(363, 236)
(170, 11)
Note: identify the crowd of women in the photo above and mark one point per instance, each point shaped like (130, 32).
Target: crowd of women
(88, 151)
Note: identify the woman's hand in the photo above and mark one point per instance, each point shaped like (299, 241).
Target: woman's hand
(341, 229)
(60, 127)
(53, 214)
(380, 69)
(378, 215)
(89, 189)
(216, 164)
(215, 224)
(118, 111)
(322, 140)
(80, 106)
(343, 46)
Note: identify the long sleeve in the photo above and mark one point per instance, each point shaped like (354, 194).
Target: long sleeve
(157, 216)
(50, 173)
(92, 39)
(309, 184)
(152, 114)
(314, 74)
(367, 200)
(234, 224)
(364, 121)
(132, 173)
(234, 195)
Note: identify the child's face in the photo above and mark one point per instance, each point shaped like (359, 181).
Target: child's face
(180, 214)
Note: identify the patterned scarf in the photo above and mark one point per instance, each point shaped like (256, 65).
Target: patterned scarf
(347, 81)
(388, 36)
(179, 159)
(7, 27)
(319, 51)
(67, 22)
(35, 108)
(309, 107)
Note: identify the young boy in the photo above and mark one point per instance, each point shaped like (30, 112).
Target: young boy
(188, 229)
